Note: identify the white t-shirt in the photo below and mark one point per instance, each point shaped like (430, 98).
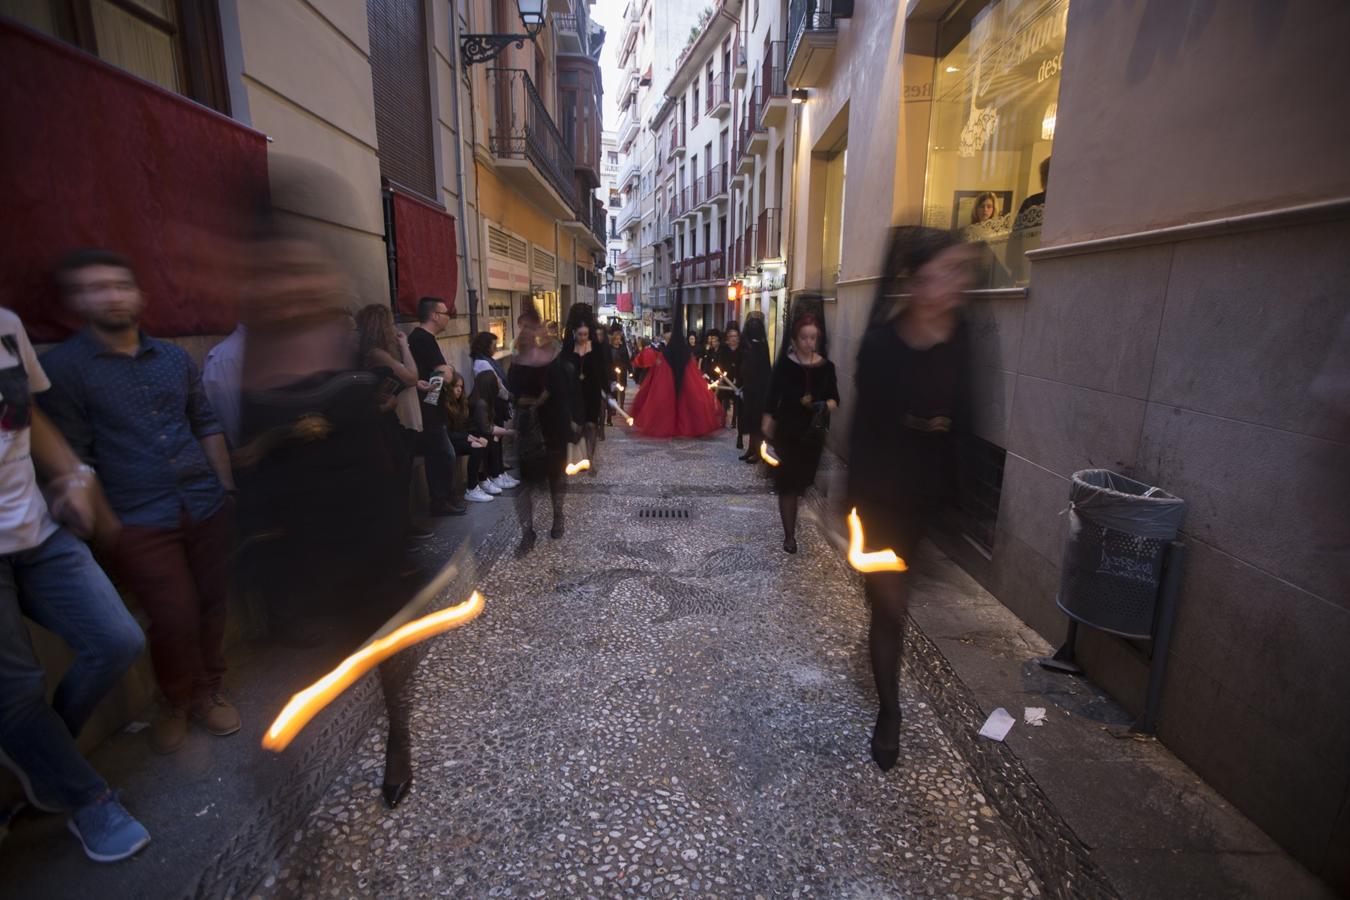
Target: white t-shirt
(24, 520)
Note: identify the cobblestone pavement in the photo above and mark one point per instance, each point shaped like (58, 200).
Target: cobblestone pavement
(663, 707)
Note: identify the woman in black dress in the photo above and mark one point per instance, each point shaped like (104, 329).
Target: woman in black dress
(912, 381)
(755, 373)
(621, 365)
(588, 361)
(542, 387)
(802, 394)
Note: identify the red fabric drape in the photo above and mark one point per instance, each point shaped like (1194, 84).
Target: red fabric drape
(424, 239)
(93, 156)
(625, 302)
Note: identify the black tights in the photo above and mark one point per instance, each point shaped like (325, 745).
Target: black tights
(787, 511)
(525, 500)
(888, 594)
(396, 685)
(590, 430)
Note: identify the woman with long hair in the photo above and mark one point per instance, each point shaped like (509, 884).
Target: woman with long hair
(802, 394)
(592, 378)
(755, 371)
(729, 361)
(541, 385)
(912, 382)
(458, 422)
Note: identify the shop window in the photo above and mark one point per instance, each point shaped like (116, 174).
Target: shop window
(172, 43)
(996, 88)
(499, 315)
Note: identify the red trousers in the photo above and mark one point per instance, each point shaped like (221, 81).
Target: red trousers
(180, 576)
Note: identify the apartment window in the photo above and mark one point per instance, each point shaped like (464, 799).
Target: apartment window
(401, 78)
(995, 99)
(172, 43)
(613, 158)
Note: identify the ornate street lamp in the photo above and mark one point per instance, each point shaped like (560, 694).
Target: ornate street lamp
(477, 48)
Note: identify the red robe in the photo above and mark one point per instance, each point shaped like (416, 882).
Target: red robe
(659, 412)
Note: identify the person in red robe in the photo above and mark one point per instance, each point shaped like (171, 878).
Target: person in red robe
(674, 400)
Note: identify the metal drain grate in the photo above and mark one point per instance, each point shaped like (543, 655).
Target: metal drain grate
(664, 512)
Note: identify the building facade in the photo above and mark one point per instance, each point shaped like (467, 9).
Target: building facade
(492, 167)
(1167, 306)
(650, 41)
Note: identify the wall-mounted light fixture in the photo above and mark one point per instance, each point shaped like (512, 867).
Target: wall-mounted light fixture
(476, 48)
(800, 95)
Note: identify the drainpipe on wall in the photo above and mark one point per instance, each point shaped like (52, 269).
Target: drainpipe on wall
(459, 174)
(791, 259)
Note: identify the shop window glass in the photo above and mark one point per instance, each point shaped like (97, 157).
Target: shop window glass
(996, 88)
(499, 315)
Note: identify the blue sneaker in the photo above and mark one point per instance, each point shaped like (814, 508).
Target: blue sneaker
(107, 831)
(46, 804)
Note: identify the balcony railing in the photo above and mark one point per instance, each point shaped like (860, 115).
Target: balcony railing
(600, 222)
(807, 15)
(677, 136)
(716, 183)
(523, 129)
(716, 271)
(769, 235)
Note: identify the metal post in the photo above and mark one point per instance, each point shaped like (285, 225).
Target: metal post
(1171, 588)
(1063, 661)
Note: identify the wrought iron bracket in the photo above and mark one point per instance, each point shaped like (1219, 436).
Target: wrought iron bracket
(476, 48)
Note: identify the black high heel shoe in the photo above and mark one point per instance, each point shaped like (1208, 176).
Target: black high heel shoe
(886, 741)
(740, 443)
(527, 539)
(558, 529)
(790, 545)
(398, 761)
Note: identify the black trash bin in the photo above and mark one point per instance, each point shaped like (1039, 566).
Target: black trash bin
(1122, 560)
(1119, 532)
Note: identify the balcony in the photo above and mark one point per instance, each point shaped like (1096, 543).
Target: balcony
(716, 269)
(715, 186)
(742, 69)
(628, 261)
(773, 87)
(719, 98)
(631, 215)
(526, 145)
(628, 127)
(813, 36)
(600, 224)
(769, 235)
(568, 32)
(631, 172)
(756, 135)
(677, 138)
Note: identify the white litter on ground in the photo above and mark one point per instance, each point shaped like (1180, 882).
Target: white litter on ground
(1034, 715)
(997, 726)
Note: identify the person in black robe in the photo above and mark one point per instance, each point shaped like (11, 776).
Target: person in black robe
(729, 361)
(622, 366)
(912, 400)
(802, 393)
(754, 384)
(587, 359)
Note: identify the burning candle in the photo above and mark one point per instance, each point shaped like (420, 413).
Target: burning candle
(307, 704)
(765, 455)
(877, 560)
(579, 466)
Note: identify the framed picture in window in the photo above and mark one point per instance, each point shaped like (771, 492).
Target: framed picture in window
(963, 202)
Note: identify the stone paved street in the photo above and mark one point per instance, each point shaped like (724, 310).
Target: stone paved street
(663, 707)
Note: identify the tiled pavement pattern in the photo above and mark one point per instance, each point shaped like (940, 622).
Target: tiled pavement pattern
(659, 707)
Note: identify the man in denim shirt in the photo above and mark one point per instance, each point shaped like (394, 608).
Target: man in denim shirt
(133, 407)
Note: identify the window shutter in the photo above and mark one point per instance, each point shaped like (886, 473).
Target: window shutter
(403, 119)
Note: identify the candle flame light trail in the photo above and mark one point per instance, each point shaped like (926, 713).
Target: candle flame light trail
(765, 455)
(877, 560)
(580, 465)
(614, 405)
(308, 703)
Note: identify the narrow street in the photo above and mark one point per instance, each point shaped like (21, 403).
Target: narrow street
(662, 706)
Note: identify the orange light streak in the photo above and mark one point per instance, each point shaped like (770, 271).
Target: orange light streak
(765, 455)
(580, 465)
(875, 561)
(307, 704)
